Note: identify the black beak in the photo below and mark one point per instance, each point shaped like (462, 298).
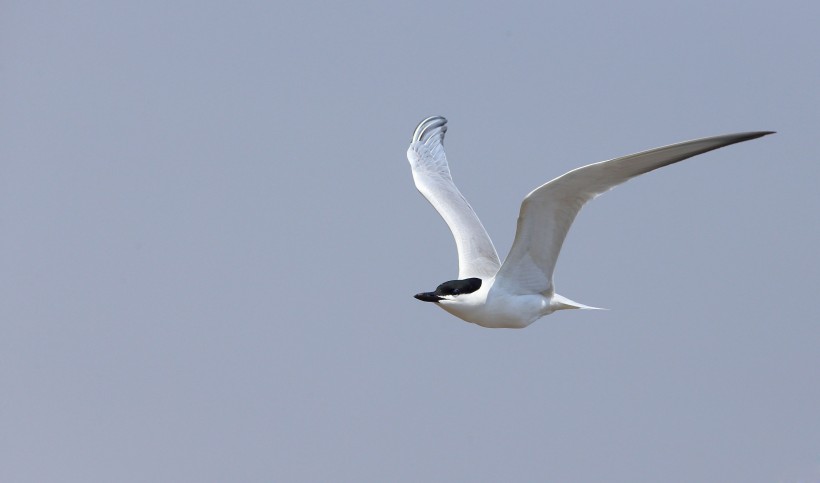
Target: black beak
(428, 297)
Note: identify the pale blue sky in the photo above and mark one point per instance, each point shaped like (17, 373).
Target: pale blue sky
(210, 242)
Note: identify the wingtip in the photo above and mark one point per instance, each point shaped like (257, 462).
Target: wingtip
(746, 136)
(428, 127)
(759, 134)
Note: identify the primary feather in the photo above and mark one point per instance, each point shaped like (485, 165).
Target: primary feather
(476, 254)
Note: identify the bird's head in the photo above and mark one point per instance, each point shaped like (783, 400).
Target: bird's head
(451, 290)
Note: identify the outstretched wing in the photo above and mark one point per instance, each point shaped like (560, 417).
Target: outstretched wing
(547, 212)
(476, 254)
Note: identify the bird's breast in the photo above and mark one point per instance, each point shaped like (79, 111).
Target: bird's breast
(502, 310)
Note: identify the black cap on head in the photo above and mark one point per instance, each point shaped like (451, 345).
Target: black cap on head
(453, 287)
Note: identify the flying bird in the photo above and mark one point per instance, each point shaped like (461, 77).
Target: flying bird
(520, 291)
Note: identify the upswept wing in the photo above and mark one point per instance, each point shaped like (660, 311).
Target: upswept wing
(476, 254)
(548, 212)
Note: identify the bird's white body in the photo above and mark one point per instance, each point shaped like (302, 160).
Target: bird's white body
(520, 291)
(492, 307)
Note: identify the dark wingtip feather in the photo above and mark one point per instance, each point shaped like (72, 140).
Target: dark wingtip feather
(760, 134)
(747, 136)
(429, 126)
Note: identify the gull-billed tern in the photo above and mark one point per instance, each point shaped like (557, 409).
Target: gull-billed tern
(520, 291)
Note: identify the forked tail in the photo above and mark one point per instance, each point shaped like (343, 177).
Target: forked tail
(559, 302)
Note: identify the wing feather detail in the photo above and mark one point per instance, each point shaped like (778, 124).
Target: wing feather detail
(548, 211)
(431, 173)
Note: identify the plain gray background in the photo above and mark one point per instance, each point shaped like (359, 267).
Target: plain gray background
(209, 242)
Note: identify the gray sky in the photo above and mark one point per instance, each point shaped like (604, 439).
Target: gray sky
(210, 241)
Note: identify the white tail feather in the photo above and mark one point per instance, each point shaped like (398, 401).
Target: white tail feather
(559, 302)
